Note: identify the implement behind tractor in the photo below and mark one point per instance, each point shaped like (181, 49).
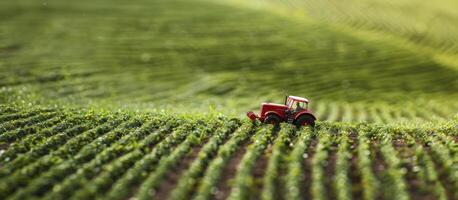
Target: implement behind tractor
(294, 111)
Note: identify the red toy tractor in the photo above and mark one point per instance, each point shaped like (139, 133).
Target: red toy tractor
(294, 111)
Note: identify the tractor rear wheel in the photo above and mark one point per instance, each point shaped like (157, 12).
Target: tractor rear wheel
(305, 120)
(272, 119)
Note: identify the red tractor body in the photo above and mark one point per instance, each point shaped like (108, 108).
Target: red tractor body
(295, 110)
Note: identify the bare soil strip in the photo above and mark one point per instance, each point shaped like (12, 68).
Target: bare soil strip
(228, 173)
(307, 181)
(259, 170)
(354, 173)
(450, 191)
(411, 177)
(173, 176)
(330, 171)
(378, 167)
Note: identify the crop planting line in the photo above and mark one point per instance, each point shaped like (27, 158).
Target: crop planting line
(103, 181)
(379, 165)
(33, 152)
(44, 148)
(271, 181)
(22, 176)
(244, 180)
(68, 166)
(7, 140)
(295, 173)
(444, 164)
(318, 189)
(370, 185)
(15, 124)
(430, 178)
(354, 174)
(394, 175)
(7, 110)
(213, 173)
(187, 181)
(259, 171)
(21, 115)
(193, 175)
(18, 134)
(448, 141)
(123, 186)
(421, 175)
(128, 148)
(172, 176)
(342, 184)
(155, 178)
(37, 139)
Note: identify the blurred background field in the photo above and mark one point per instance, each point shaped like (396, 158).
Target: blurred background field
(355, 60)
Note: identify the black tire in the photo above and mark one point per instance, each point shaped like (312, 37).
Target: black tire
(272, 119)
(305, 120)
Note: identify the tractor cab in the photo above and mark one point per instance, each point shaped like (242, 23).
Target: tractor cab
(296, 103)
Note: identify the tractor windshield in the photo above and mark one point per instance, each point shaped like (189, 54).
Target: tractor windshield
(296, 105)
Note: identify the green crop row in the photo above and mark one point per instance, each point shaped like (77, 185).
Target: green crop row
(130, 156)
(369, 183)
(342, 182)
(394, 183)
(188, 133)
(318, 190)
(192, 176)
(295, 173)
(128, 147)
(271, 185)
(207, 185)
(37, 136)
(244, 182)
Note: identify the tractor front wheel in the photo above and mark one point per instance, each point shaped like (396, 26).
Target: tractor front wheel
(305, 120)
(272, 119)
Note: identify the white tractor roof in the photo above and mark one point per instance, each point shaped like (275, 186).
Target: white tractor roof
(300, 99)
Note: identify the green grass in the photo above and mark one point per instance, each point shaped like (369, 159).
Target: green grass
(199, 56)
(147, 99)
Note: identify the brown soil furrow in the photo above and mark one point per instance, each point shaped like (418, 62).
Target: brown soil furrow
(412, 180)
(378, 166)
(330, 172)
(444, 179)
(228, 173)
(282, 171)
(259, 170)
(306, 183)
(354, 173)
(173, 176)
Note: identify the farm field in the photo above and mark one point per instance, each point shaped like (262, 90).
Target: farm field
(147, 99)
(50, 154)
